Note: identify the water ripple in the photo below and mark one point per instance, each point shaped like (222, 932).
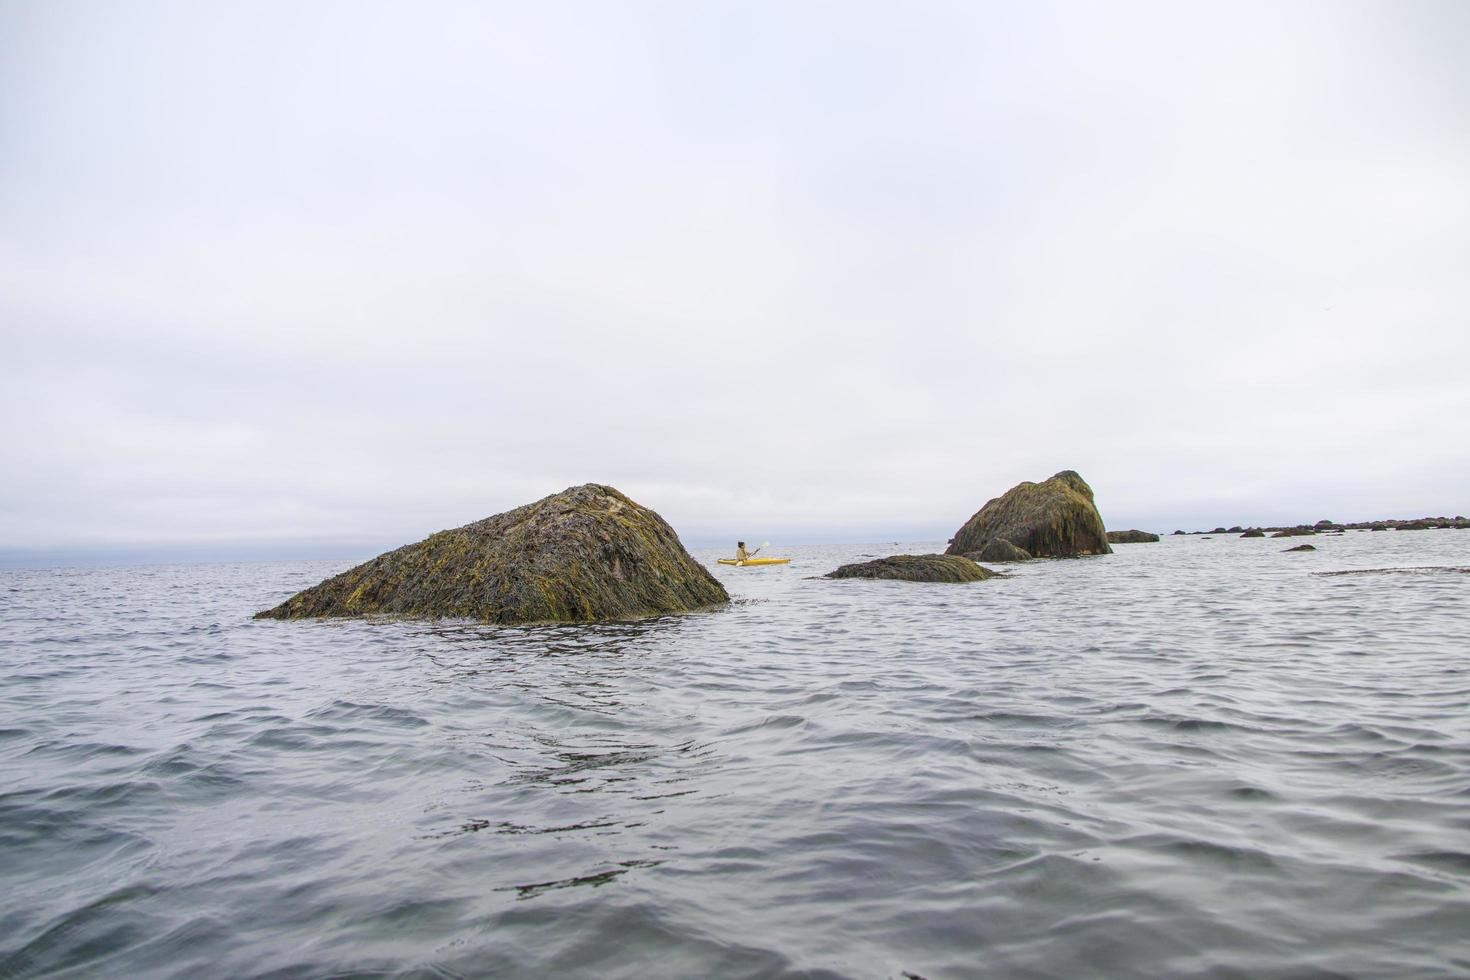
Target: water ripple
(1181, 759)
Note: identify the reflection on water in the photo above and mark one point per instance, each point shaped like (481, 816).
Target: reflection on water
(1197, 756)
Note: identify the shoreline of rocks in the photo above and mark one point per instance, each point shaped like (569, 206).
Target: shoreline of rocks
(590, 554)
(1333, 527)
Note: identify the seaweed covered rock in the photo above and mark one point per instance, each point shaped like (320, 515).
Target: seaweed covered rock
(917, 568)
(1052, 519)
(999, 549)
(1302, 547)
(585, 554)
(1134, 536)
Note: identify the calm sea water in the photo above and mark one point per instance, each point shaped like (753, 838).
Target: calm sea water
(1189, 758)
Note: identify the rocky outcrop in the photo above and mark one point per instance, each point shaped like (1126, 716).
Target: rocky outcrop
(585, 554)
(1331, 527)
(999, 549)
(1302, 547)
(1134, 536)
(917, 568)
(1052, 519)
(1254, 533)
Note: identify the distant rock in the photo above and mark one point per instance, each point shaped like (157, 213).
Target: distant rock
(917, 568)
(585, 554)
(999, 549)
(1219, 530)
(1234, 530)
(1178, 532)
(1293, 532)
(1254, 533)
(1301, 547)
(1052, 519)
(1134, 536)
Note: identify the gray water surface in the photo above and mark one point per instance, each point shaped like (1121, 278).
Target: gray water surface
(1195, 757)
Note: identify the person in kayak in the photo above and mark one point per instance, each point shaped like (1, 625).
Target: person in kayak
(741, 554)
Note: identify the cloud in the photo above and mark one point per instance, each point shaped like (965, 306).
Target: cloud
(350, 273)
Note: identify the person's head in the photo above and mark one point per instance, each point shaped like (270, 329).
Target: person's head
(740, 544)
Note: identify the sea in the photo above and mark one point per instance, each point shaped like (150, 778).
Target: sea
(1205, 757)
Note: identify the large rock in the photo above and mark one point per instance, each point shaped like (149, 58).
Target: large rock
(917, 568)
(1052, 519)
(999, 549)
(585, 554)
(1132, 537)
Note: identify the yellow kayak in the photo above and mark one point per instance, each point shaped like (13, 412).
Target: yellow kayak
(753, 561)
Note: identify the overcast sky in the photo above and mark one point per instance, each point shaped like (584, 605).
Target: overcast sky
(321, 278)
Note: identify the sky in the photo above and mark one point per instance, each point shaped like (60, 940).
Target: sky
(288, 279)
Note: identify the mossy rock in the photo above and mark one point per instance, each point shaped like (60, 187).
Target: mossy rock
(1134, 536)
(999, 549)
(1052, 519)
(917, 568)
(583, 555)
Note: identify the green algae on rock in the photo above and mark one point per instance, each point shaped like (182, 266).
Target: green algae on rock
(999, 549)
(582, 555)
(1052, 519)
(917, 568)
(1132, 537)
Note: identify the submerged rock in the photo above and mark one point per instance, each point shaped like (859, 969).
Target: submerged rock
(1301, 547)
(1134, 536)
(1052, 519)
(1254, 533)
(1293, 532)
(917, 568)
(999, 549)
(585, 554)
